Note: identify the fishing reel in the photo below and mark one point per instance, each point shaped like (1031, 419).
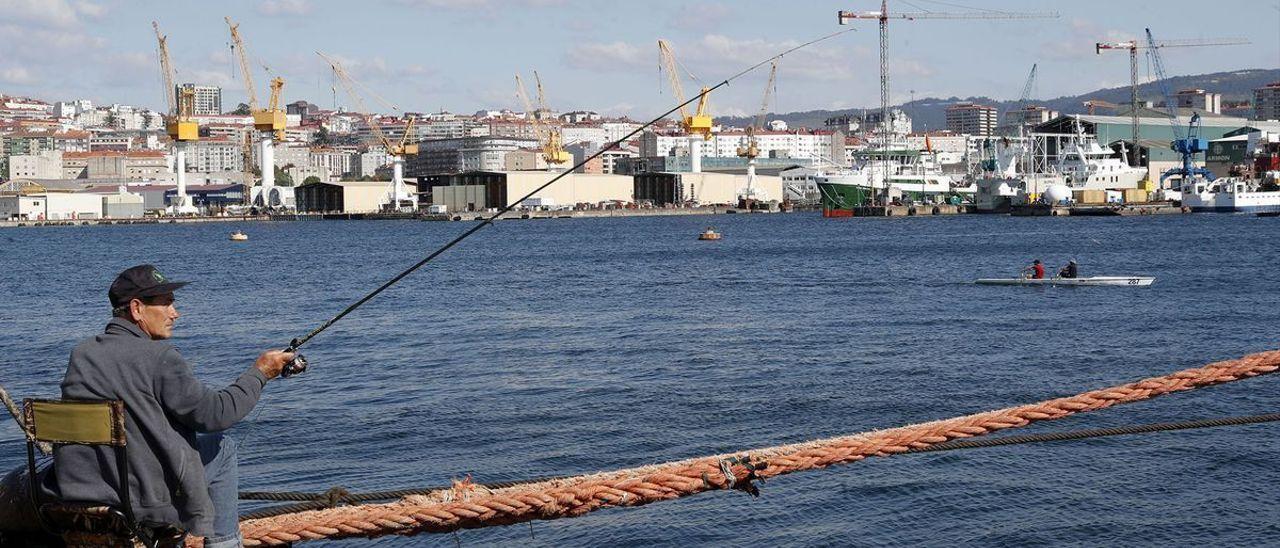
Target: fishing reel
(295, 366)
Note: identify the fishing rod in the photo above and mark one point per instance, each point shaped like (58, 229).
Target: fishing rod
(299, 363)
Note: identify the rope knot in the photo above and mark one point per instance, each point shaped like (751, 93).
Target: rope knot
(333, 497)
(731, 480)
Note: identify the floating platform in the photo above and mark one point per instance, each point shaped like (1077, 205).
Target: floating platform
(924, 210)
(1098, 210)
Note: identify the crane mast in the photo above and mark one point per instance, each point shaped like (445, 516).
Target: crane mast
(178, 124)
(269, 123)
(552, 149)
(699, 122)
(398, 197)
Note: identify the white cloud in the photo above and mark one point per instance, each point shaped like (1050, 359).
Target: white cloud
(1079, 38)
(716, 55)
(696, 16)
(55, 13)
(485, 5)
(91, 10)
(284, 7)
(613, 56)
(16, 76)
(208, 77)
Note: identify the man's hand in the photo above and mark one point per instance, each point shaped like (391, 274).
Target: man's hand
(271, 362)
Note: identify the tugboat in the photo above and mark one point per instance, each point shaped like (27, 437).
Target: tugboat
(238, 236)
(709, 234)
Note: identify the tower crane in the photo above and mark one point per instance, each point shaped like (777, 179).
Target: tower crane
(269, 122)
(1186, 144)
(751, 149)
(178, 124)
(697, 125)
(883, 16)
(552, 145)
(398, 197)
(1133, 46)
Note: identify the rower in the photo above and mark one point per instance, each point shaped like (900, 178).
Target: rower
(1035, 271)
(1072, 270)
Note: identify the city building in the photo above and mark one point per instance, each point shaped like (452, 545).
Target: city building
(212, 155)
(208, 99)
(606, 163)
(366, 164)
(1266, 102)
(971, 119)
(579, 116)
(43, 165)
(480, 190)
(441, 156)
(1025, 118)
(1199, 99)
(344, 196)
(134, 165)
(809, 145)
(336, 161)
(525, 160)
(667, 188)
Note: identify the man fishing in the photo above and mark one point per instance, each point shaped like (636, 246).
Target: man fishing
(182, 469)
(1072, 270)
(1035, 271)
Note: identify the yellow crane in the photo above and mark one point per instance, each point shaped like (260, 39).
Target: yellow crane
(268, 122)
(181, 104)
(270, 119)
(398, 194)
(552, 143)
(699, 122)
(179, 125)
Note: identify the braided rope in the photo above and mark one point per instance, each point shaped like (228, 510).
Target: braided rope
(469, 506)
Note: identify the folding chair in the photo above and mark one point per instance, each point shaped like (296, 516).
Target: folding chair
(97, 423)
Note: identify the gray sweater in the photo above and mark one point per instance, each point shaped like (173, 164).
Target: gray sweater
(166, 406)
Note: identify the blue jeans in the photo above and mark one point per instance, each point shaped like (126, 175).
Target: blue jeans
(218, 453)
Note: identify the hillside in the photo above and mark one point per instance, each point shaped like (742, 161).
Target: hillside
(930, 113)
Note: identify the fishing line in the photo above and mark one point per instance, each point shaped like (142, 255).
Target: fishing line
(299, 364)
(297, 343)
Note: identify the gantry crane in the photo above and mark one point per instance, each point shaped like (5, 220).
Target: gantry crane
(699, 122)
(398, 197)
(751, 149)
(1186, 144)
(178, 124)
(1133, 46)
(269, 122)
(552, 143)
(697, 125)
(883, 16)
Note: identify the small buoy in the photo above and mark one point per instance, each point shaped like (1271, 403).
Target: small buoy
(238, 236)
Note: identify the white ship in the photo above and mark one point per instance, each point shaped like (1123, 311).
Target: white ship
(1228, 195)
(1086, 165)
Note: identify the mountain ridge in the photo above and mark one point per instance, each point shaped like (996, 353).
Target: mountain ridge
(930, 113)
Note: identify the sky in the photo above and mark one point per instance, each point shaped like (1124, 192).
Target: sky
(462, 55)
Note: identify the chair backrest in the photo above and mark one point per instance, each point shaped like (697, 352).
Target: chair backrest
(75, 422)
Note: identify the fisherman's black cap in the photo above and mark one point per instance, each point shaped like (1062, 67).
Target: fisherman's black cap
(140, 282)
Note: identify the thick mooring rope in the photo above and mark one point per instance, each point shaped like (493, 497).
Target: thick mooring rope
(468, 506)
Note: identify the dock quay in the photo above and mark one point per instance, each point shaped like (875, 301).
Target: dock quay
(132, 221)
(1098, 210)
(518, 215)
